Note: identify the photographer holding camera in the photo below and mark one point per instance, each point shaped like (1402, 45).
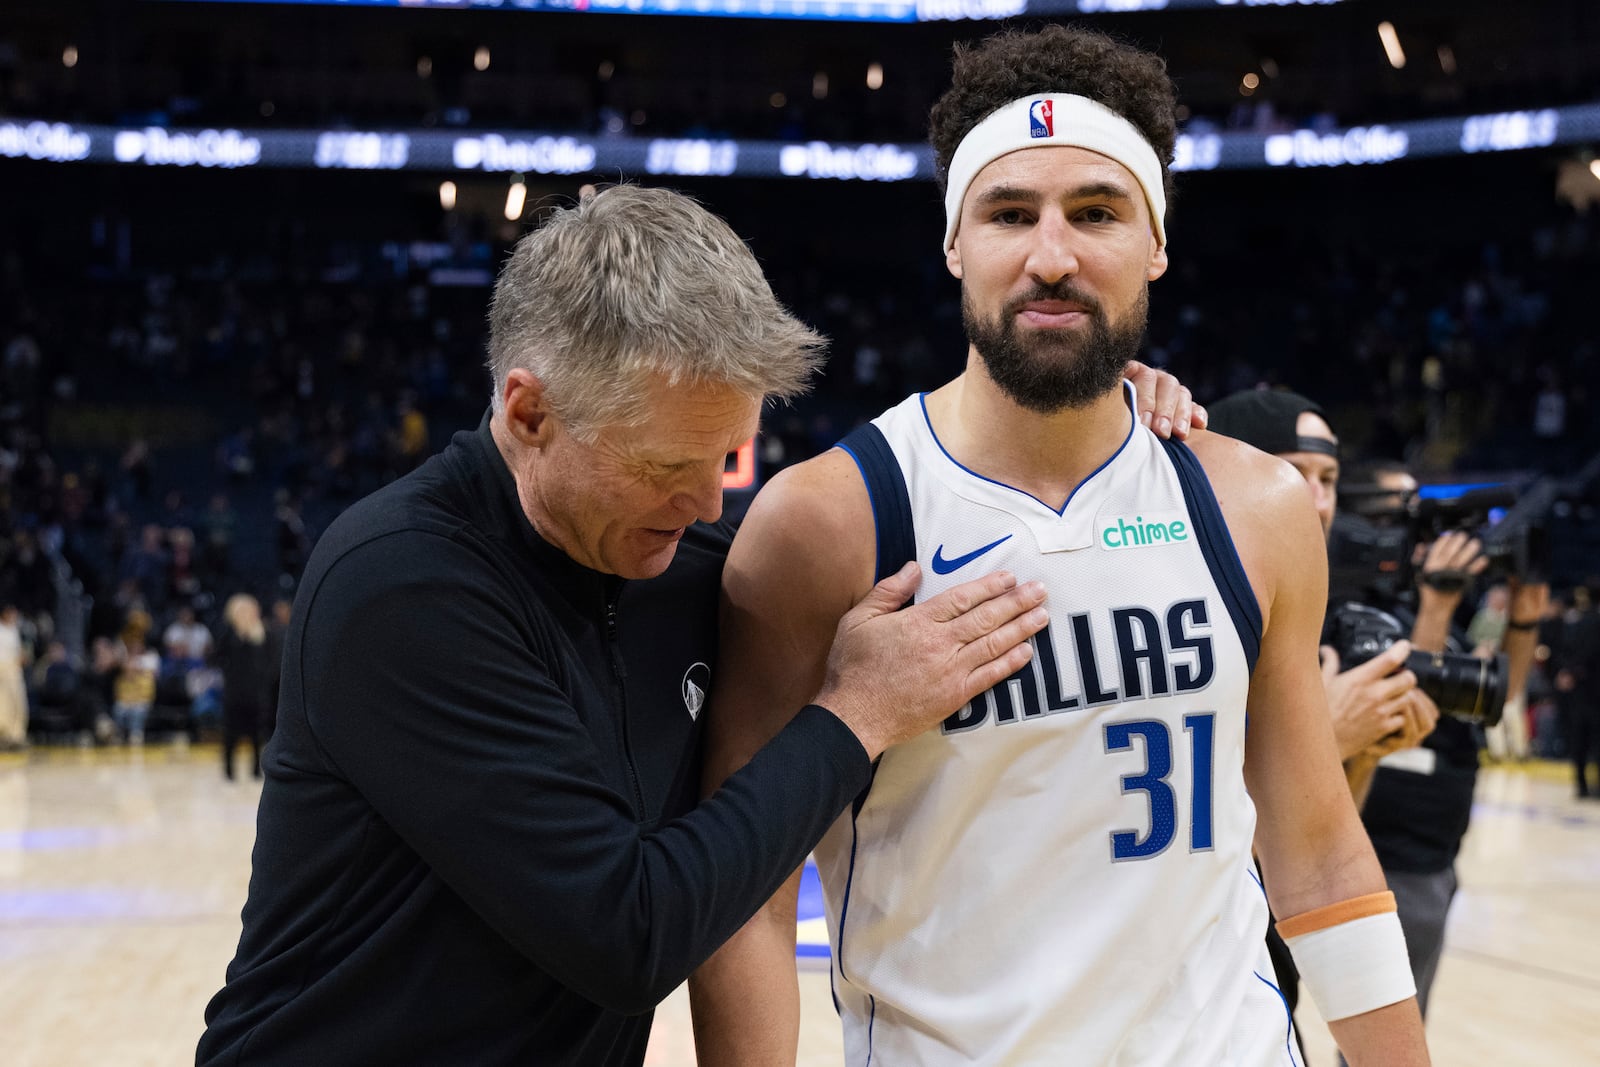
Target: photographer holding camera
(1421, 800)
(1414, 767)
(1376, 706)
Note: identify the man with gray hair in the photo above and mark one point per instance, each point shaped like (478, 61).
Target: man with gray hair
(478, 840)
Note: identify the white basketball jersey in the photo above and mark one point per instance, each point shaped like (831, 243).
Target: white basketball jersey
(1061, 874)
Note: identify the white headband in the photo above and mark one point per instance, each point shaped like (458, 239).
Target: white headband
(1054, 119)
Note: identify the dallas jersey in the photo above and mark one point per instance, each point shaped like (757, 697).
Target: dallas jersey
(1061, 873)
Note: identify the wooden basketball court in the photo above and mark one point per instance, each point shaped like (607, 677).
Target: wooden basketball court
(122, 874)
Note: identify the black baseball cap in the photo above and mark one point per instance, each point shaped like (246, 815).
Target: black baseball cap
(1266, 419)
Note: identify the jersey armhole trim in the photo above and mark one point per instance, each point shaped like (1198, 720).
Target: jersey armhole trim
(895, 539)
(1216, 543)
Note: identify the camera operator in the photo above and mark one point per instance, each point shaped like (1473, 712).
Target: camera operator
(1421, 799)
(1376, 707)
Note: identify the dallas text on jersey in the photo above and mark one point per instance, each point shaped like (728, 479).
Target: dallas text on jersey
(1156, 654)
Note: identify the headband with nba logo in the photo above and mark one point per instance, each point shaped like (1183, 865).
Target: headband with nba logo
(1054, 119)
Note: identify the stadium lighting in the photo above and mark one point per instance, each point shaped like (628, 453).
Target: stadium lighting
(447, 195)
(874, 75)
(777, 100)
(607, 68)
(480, 58)
(1594, 168)
(516, 199)
(1391, 45)
(69, 56)
(1269, 66)
(1447, 59)
(1251, 81)
(424, 67)
(819, 85)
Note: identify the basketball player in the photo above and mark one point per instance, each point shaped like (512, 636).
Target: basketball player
(1061, 872)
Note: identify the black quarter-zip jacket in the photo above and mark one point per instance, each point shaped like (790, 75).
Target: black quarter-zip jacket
(478, 840)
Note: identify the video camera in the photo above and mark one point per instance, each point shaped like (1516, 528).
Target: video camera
(1370, 551)
(1377, 529)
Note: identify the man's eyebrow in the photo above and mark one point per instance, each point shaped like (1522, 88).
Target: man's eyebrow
(1007, 194)
(1101, 191)
(1016, 194)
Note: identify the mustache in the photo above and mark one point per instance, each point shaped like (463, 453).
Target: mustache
(1062, 290)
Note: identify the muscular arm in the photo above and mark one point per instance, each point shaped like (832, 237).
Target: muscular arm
(1311, 844)
(804, 554)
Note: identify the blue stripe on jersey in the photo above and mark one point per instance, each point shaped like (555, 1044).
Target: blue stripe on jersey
(1062, 510)
(1217, 545)
(891, 503)
(872, 1018)
(844, 905)
(896, 545)
(1288, 1043)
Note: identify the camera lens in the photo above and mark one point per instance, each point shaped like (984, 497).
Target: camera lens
(1469, 688)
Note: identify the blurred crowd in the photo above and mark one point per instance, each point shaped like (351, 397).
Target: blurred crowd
(168, 452)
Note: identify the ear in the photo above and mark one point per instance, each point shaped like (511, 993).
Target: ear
(1158, 260)
(952, 259)
(528, 417)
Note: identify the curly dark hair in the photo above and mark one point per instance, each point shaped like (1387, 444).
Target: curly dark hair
(1056, 59)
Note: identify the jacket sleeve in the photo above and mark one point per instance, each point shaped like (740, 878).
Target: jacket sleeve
(424, 690)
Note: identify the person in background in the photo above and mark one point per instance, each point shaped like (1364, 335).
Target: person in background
(1420, 804)
(1575, 665)
(134, 691)
(243, 657)
(13, 691)
(1508, 738)
(58, 686)
(187, 638)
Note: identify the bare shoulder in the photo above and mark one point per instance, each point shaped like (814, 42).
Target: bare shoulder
(803, 556)
(1270, 516)
(1251, 486)
(810, 529)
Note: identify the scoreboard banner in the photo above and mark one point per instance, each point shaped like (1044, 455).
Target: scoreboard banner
(820, 10)
(531, 152)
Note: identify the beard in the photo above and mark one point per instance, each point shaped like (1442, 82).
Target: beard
(1051, 370)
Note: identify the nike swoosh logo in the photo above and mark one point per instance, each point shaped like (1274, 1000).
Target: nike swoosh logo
(945, 566)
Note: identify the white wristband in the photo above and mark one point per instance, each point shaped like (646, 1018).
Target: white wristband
(1356, 966)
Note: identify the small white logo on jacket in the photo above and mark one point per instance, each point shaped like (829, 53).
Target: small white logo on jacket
(696, 680)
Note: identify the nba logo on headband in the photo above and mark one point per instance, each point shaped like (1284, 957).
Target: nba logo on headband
(1040, 123)
(1085, 124)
